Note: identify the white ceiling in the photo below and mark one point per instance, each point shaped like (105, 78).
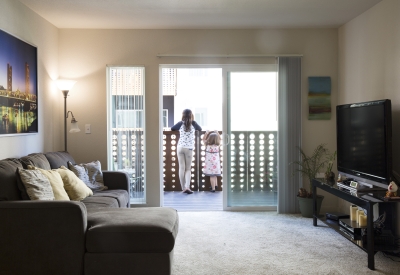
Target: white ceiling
(198, 14)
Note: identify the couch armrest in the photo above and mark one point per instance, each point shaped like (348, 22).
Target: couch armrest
(116, 180)
(42, 237)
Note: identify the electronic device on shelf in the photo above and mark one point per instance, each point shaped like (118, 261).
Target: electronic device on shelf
(350, 234)
(351, 226)
(336, 216)
(364, 143)
(357, 188)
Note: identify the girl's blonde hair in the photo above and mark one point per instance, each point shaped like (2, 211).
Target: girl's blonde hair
(213, 139)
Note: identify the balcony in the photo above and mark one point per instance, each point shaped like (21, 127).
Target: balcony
(252, 166)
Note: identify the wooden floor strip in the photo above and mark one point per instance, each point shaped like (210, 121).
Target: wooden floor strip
(208, 201)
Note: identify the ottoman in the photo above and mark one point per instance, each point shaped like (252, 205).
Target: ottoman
(130, 241)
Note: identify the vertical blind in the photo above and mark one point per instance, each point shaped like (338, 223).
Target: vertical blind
(289, 125)
(126, 117)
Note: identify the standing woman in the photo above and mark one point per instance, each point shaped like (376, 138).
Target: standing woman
(185, 147)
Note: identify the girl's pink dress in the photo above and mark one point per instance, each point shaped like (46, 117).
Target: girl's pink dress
(212, 165)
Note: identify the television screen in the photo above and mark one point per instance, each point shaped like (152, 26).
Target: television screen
(364, 140)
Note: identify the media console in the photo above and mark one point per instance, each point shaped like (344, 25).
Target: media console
(365, 200)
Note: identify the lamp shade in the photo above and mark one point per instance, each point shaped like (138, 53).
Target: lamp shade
(65, 84)
(74, 127)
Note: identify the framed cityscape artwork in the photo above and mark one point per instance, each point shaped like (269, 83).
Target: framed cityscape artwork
(18, 86)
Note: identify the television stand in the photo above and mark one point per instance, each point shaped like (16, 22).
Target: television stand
(367, 202)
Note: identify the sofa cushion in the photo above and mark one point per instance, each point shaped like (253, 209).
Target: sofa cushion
(37, 185)
(108, 198)
(121, 196)
(56, 183)
(100, 202)
(74, 187)
(38, 160)
(58, 159)
(8, 179)
(131, 230)
(90, 173)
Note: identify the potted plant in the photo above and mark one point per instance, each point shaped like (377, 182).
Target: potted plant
(329, 175)
(310, 166)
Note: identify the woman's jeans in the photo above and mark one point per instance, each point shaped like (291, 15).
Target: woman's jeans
(185, 156)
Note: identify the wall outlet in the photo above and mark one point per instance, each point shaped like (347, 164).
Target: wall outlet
(87, 128)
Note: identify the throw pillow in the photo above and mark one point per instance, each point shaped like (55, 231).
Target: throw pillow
(21, 186)
(90, 173)
(76, 188)
(37, 185)
(56, 183)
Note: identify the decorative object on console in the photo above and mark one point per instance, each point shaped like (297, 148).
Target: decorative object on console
(392, 190)
(362, 220)
(359, 214)
(329, 175)
(65, 86)
(353, 212)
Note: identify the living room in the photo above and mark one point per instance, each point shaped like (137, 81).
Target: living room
(362, 57)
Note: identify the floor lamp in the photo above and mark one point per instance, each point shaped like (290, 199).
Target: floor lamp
(66, 85)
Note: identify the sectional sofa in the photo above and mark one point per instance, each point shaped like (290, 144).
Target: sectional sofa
(97, 235)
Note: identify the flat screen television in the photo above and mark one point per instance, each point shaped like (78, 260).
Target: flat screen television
(364, 140)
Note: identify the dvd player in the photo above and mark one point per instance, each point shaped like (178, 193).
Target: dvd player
(352, 236)
(351, 226)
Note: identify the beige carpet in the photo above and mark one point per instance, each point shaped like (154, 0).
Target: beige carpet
(266, 243)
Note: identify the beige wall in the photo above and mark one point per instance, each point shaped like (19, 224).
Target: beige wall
(369, 62)
(18, 20)
(84, 55)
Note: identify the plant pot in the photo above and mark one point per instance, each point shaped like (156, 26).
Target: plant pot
(330, 178)
(306, 206)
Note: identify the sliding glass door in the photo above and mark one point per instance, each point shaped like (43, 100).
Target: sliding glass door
(251, 131)
(249, 119)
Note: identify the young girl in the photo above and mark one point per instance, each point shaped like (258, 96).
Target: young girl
(186, 127)
(212, 165)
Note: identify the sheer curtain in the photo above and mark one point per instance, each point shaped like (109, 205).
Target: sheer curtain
(289, 138)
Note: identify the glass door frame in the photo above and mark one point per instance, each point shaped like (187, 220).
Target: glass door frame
(226, 70)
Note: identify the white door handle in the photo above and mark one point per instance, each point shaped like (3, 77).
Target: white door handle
(226, 137)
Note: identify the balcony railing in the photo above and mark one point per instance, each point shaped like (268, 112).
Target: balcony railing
(253, 163)
(252, 166)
